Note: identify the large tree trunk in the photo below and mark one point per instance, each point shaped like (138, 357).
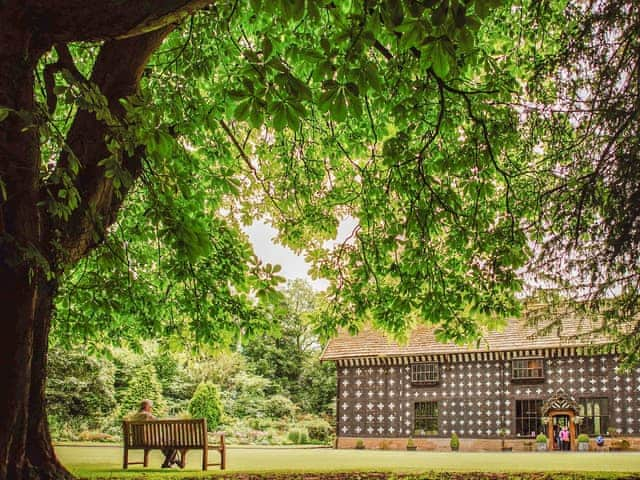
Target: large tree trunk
(25, 298)
(40, 455)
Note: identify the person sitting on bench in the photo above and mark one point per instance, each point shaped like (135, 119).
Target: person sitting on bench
(171, 456)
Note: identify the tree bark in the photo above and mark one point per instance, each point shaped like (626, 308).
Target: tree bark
(42, 460)
(19, 234)
(21, 260)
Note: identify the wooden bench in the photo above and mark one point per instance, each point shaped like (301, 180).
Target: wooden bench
(182, 435)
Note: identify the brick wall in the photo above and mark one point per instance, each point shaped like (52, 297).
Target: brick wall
(466, 444)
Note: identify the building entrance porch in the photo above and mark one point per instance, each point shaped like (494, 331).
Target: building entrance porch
(560, 412)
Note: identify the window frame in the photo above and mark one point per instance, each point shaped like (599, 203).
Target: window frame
(520, 420)
(431, 377)
(603, 417)
(527, 377)
(432, 417)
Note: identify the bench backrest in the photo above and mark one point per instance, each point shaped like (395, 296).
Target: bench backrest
(190, 433)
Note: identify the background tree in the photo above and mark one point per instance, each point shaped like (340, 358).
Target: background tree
(289, 355)
(80, 387)
(581, 112)
(281, 353)
(144, 385)
(391, 112)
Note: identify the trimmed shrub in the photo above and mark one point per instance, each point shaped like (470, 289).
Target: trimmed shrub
(279, 406)
(583, 438)
(360, 444)
(454, 443)
(298, 436)
(319, 430)
(541, 438)
(94, 436)
(624, 444)
(206, 404)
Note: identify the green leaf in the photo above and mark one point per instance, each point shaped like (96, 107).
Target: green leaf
(440, 15)
(293, 118)
(394, 12)
(256, 115)
(279, 116)
(460, 16)
(440, 60)
(338, 107)
(326, 99)
(242, 110)
(4, 113)
(465, 39)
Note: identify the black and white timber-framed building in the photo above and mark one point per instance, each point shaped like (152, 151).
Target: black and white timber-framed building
(514, 385)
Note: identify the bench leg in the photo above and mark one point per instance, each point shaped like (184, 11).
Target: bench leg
(223, 459)
(205, 458)
(125, 458)
(146, 458)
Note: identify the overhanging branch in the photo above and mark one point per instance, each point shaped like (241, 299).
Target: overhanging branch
(117, 76)
(66, 21)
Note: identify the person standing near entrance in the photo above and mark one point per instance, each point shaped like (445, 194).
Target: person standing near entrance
(565, 439)
(556, 437)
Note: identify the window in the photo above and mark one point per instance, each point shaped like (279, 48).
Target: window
(527, 369)
(529, 418)
(425, 374)
(595, 415)
(425, 418)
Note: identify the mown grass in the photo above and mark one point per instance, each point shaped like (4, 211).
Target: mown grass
(105, 461)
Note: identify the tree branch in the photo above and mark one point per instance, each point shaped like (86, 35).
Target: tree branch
(78, 20)
(65, 61)
(117, 76)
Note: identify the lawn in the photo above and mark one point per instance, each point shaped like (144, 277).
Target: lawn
(104, 461)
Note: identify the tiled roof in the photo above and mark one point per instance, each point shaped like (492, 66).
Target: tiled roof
(516, 335)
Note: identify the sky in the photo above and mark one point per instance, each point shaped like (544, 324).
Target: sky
(293, 266)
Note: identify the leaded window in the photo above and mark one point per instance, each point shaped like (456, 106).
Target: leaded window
(425, 418)
(527, 369)
(595, 415)
(529, 418)
(425, 373)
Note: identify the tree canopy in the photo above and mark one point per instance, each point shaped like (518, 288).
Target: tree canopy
(466, 138)
(393, 114)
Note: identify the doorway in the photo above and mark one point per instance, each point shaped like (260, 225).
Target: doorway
(557, 421)
(559, 411)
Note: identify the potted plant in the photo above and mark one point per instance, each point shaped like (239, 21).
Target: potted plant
(360, 444)
(541, 442)
(583, 442)
(503, 433)
(411, 445)
(454, 443)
